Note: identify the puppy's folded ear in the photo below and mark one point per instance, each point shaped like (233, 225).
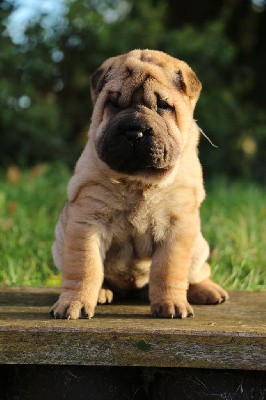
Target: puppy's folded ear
(188, 82)
(98, 80)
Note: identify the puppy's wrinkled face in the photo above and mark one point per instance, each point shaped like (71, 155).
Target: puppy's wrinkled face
(144, 104)
(137, 137)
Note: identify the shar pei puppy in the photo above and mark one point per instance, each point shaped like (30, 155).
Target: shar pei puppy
(132, 217)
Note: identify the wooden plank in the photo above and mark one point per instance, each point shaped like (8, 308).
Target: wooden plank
(229, 336)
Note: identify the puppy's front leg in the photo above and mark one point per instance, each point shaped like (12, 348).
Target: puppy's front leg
(169, 271)
(82, 269)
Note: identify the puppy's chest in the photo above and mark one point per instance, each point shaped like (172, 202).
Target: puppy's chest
(147, 217)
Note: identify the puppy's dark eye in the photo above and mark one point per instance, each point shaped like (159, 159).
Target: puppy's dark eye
(163, 106)
(113, 103)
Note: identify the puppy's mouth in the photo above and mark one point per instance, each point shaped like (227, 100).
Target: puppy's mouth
(134, 147)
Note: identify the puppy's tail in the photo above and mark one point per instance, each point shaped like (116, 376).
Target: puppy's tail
(57, 248)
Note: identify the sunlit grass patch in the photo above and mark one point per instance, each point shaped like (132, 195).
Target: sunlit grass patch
(234, 222)
(30, 203)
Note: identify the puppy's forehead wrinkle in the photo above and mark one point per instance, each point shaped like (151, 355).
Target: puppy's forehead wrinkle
(137, 97)
(132, 73)
(144, 69)
(139, 79)
(130, 85)
(146, 93)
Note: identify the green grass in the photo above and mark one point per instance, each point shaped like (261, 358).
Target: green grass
(233, 221)
(29, 206)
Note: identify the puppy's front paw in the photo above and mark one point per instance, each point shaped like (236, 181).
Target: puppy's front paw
(72, 308)
(172, 309)
(206, 292)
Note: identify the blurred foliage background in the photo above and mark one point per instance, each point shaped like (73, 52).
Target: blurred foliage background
(45, 72)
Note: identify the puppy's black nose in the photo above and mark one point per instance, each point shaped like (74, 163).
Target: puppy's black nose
(133, 136)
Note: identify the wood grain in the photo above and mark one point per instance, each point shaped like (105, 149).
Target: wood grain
(228, 336)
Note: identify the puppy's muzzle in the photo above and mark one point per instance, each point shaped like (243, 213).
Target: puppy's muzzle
(135, 145)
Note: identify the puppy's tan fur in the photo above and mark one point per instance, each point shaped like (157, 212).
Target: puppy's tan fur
(120, 232)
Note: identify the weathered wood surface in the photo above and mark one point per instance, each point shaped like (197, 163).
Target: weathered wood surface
(229, 336)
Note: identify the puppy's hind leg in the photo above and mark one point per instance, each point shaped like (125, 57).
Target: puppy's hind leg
(202, 290)
(206, 292)
(57, 248)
